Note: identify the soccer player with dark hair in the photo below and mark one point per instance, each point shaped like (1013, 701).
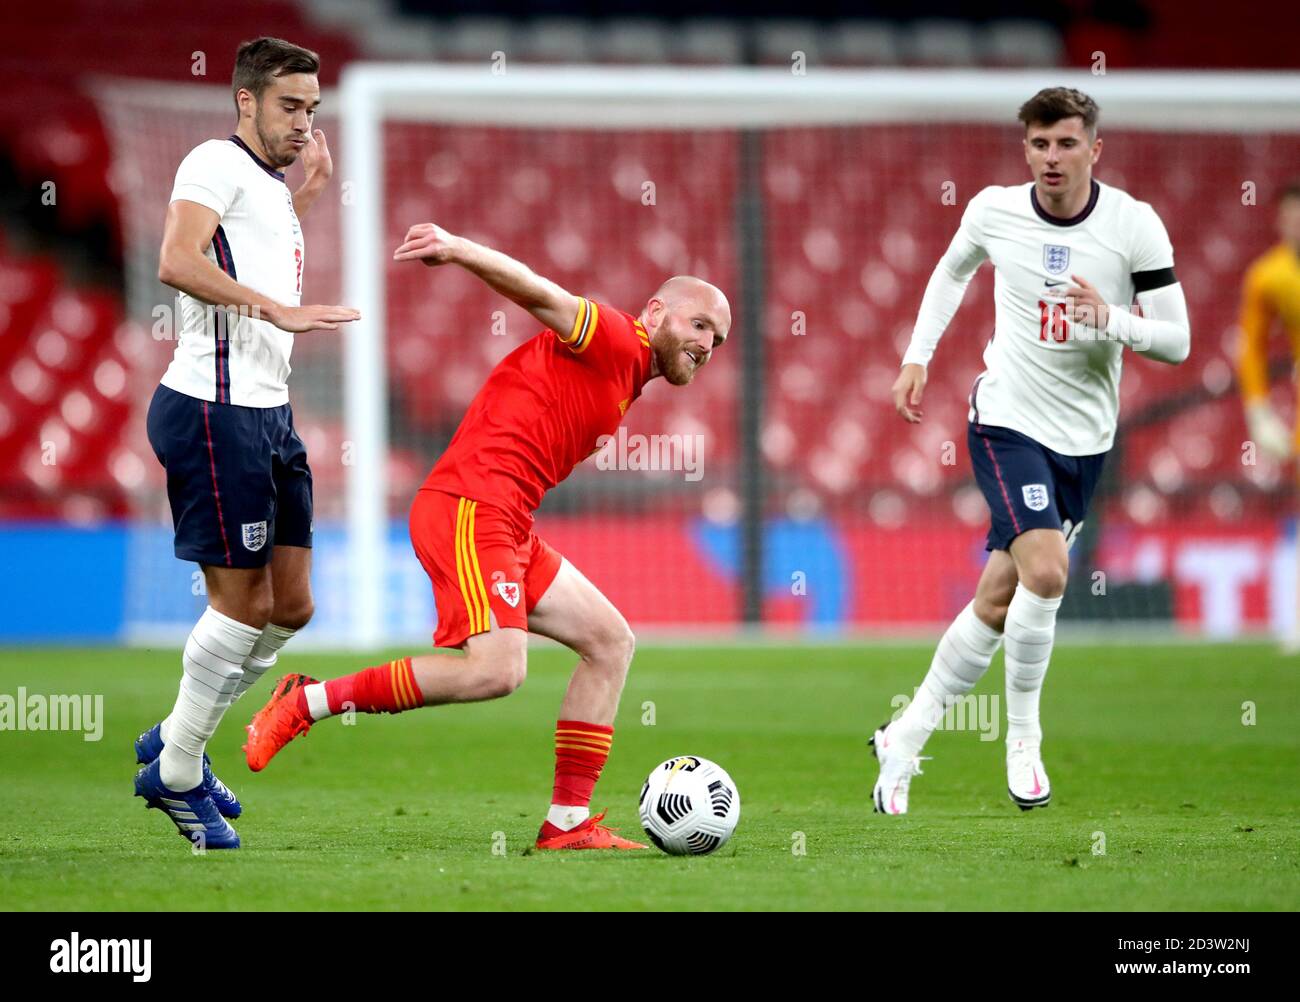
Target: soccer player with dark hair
(544, 408)
(220, 423)
(1071, 254)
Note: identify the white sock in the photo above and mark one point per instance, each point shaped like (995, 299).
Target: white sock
(1031, 628)
(960, 661)
(318, 704)
(260, 660)
(262, 657)
(213, 659)
(567, 818)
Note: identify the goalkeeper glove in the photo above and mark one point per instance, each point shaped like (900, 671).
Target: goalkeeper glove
(1267, 430)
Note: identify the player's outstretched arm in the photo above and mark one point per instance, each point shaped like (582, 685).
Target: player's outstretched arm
(549, 304)
(183, 265)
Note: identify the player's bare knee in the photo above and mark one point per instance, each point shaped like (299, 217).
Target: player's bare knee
(252, 608)
(243, 596)
(506, 676)
(1046, 579)
(991, 611)
(260, 613)
(619, 645)
(517, 668)
(261, 601)
(993, 598)
(501, 665)
(612, 647)
(294, 614)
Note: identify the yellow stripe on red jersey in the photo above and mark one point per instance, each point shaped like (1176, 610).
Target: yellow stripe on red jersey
(468, 574)
(584, 327)
(541, 412)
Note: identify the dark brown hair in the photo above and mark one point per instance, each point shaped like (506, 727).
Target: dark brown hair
(1052, 104)
(261, 60)
(1290, 190)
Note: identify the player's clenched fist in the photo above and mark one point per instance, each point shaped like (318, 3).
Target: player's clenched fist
(427, 242)
(907, 391)
(1084, 305)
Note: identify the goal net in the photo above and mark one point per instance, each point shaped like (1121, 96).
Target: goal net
(779, 489)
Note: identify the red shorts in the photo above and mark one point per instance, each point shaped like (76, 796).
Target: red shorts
(479, 563)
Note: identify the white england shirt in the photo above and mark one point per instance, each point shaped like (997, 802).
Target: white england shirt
(220, 355)
(1055, 381)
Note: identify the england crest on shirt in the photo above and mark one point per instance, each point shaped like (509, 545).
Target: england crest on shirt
(1056, 258)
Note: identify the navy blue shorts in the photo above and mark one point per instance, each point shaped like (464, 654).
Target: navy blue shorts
(1028, 486)
(237, 478)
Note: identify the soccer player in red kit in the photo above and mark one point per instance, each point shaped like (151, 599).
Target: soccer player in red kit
(543, 409)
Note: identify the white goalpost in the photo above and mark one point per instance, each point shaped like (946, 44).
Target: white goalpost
(388, 117)
(621, 98)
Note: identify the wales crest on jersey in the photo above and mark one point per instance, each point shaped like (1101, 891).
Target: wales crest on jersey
(1056, 258)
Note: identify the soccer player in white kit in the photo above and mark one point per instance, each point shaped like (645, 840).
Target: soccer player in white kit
(1070, 254)
(220, 423)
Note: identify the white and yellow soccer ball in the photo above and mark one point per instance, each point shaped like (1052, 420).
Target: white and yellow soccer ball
(689, 806)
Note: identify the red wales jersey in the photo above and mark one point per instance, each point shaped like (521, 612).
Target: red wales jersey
(543, 409)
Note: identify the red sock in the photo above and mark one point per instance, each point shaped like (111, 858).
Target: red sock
(388, 688)
(580, 753)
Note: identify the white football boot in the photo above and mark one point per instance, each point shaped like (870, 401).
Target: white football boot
(1026, 778)
(896, 772)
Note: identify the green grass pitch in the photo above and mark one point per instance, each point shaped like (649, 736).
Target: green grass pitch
(1146, 745)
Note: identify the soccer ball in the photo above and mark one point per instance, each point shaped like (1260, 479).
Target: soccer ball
(689, 806)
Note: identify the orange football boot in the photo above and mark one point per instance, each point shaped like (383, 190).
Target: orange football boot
(591, 834)
(277, 723)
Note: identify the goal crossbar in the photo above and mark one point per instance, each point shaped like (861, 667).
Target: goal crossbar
(679, 98)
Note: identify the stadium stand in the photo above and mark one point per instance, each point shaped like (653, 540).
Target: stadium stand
(60, 344)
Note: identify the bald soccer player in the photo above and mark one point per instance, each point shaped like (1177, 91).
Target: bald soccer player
(544, 408)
